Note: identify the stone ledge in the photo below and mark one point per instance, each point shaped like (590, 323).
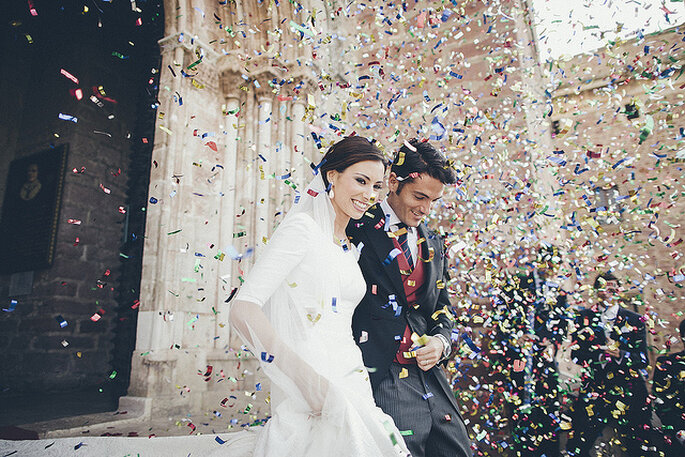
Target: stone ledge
(131, 411)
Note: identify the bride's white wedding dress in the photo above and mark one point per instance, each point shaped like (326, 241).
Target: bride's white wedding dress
(308, 287)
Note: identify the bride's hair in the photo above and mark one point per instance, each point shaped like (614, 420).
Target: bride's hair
(348, 151)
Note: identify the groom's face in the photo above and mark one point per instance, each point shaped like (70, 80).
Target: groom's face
(412, 201)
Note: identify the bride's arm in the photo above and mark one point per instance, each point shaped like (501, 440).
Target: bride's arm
(279, 358)
(280, 361)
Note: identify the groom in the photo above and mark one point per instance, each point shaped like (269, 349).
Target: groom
(403, 324)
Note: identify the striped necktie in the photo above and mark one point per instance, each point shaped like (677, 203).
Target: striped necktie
(404, 243)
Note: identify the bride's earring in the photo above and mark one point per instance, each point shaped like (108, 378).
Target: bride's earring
(331, 194)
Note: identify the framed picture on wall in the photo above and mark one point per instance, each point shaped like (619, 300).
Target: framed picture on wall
(30, 210)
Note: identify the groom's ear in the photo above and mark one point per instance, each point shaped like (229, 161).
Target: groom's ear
(393, 183)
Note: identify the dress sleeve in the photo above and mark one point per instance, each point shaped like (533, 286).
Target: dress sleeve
(277, 352)
(283, 253)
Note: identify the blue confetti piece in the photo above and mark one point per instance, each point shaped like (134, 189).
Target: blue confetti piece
(470, 343)
(68, 117)
(266, 357)
(62, 322)
(13, 306)
(391, 256)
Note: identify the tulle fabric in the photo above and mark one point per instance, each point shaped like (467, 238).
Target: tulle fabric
(294, 312)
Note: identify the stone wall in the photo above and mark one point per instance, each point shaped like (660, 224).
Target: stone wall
(82, 285)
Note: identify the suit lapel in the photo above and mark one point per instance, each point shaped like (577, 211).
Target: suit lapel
(431, 269)
(381, 245)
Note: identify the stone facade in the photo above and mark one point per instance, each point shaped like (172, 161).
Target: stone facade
(230, 150)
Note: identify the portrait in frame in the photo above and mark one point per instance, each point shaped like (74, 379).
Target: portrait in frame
(30, 210)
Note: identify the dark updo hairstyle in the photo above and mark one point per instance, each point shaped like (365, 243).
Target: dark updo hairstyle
(421, 157)
(602, 279)
(348, 151)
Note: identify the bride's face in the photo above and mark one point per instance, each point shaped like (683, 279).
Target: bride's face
(356, 188)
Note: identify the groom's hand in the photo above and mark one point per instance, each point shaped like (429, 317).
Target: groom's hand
(430, 354)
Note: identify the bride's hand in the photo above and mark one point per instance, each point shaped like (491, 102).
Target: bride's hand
(315, 393)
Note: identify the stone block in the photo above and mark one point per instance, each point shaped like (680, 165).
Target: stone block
(4, 341)
(88, 326)
(96, 363)
(54, 342)
(44, 365)
(66, 269)
(43, 324)
(8, 324)
(55, 288)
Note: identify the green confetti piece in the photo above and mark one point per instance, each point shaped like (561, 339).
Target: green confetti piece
(194, 64)
(304, 30)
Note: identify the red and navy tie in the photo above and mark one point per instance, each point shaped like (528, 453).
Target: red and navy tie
(404, 243)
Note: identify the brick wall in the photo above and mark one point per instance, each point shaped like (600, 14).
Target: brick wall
(603, 148)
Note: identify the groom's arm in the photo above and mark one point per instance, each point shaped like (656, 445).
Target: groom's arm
(440, 324)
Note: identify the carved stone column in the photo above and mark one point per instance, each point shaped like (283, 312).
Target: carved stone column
(230, 81)
(300, 168)
(152, 362)
(174, 321)
(264, 165)
(282, 193)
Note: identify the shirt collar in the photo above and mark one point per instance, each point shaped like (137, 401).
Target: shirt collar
(388, 211)
(611, 312)
(394, 219)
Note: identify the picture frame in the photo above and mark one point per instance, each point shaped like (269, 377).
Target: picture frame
(30, 210)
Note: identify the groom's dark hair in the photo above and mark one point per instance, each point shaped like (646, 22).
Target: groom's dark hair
(417, 156)
(348, 151)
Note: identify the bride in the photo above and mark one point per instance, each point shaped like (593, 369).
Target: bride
(294, 312)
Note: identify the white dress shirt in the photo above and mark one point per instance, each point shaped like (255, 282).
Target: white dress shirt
(608, 317)
(394, 221)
